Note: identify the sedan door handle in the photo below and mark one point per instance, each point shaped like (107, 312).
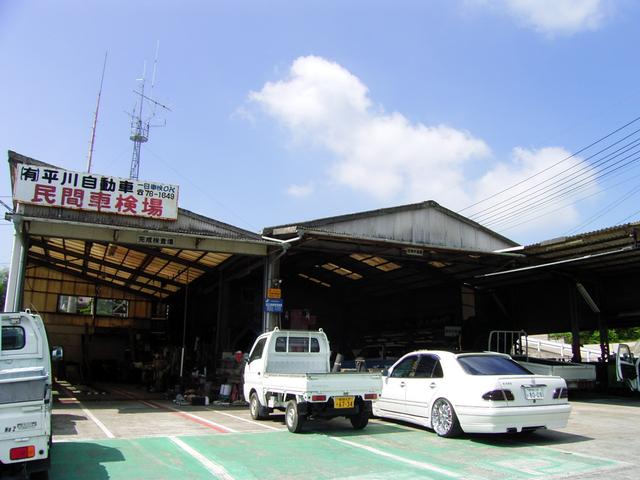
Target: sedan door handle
(433, 385)
(402, 384)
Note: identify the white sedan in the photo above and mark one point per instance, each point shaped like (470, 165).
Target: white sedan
(471, 392)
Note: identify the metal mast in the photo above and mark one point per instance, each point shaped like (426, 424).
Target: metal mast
(95, 117)
(139, 124)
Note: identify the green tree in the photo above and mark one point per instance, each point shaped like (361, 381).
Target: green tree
(616, 335)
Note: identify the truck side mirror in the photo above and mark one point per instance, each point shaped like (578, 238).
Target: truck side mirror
(57, 353)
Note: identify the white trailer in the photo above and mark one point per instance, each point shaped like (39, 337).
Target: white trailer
(516, 344)
(25, 395)
(289, 370)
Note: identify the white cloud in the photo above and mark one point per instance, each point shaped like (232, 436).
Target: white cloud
(551, 17)
(300, 190)
(385, 155)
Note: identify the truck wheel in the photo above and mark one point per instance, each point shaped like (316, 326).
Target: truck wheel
(360, 420)
(258, 412)
(292, 417)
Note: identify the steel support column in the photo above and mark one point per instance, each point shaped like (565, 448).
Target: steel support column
(15, 281)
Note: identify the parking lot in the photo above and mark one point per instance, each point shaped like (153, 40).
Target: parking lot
(119, 437)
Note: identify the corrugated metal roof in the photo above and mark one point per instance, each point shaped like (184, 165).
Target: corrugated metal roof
(425, 223)
(149, 270)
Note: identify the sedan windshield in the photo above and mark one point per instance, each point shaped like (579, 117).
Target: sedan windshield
(491, 365)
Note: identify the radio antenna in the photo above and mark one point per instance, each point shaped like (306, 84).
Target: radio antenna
(95, 116)
(139, 124)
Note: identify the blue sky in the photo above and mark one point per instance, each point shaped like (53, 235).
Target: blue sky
(285, 111)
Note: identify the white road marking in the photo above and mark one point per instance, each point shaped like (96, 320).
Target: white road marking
(583, 455)
(218, 470)
(414, 463)
(248, 421)
(100, 425)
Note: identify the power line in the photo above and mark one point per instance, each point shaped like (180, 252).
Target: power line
(606, 209)
(496, 209)
(564, 187)
(563, 193)
(555, 164)
(520, 221)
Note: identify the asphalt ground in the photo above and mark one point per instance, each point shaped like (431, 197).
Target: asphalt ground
(119, 437)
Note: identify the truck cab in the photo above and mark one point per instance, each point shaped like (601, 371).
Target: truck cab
(289, 370)
(25, 394)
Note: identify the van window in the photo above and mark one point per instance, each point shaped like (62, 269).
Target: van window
(256, 353)
(13, 338)
(281, 344)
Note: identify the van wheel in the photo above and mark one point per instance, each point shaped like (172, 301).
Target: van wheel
(258, 412)
(292, 417)
(360, 420)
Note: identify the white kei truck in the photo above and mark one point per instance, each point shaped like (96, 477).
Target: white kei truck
(289, 370)
(25, 395)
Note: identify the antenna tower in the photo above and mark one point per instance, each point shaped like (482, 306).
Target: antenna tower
(139, 124)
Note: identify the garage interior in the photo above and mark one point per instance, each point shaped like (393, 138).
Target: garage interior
(413, 276)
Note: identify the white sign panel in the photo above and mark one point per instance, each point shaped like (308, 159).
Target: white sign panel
(54, 187)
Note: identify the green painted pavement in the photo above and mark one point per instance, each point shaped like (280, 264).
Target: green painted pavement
(478, 457)
(145, 458)
(344, 454)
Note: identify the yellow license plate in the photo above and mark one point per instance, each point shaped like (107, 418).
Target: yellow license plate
(343, 402)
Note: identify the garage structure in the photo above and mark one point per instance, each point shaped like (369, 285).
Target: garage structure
(396, 275)
(114, 290)
(422, 276)
(586, 282)
(414, 276)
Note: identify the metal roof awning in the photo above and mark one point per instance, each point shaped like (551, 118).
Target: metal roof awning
(608, 252)
(146, 256)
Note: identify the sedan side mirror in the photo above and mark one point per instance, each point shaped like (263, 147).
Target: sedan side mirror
(57, 353)
(385, 372)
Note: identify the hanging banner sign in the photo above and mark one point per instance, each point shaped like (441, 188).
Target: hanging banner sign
(54, 187)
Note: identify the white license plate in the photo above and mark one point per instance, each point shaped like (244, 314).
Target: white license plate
(534, 393)
(343, 402)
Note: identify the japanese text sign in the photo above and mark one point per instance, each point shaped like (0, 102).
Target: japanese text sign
(54, 187)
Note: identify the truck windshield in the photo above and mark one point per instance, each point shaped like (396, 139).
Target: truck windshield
(491, 365)
(13, 338)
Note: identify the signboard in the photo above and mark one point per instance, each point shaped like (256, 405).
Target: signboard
(452, 330)
(274, 293)
(156, 240)
(273, 305)
(54, 187)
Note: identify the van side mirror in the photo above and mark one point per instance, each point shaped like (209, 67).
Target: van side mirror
(57, 353)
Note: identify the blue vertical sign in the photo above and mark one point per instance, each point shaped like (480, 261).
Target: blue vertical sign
(273, 305)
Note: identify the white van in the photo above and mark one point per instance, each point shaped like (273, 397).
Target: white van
(25, 394)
